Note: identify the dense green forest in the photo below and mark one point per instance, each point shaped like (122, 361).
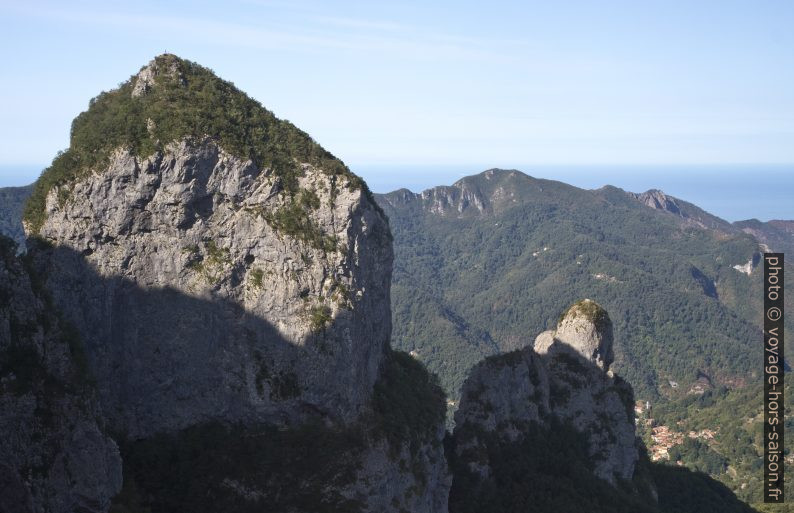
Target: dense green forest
(470, 283)
(482, 267)
(548, 470)
(734, 456)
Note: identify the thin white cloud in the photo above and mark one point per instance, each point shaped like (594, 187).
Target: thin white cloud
(324, 33)
(364, 24)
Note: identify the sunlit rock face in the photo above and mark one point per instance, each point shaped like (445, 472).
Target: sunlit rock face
(564, 378)
(585, 328)
(194, 303)
(226, 289)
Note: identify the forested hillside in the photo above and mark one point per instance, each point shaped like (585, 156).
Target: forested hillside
(721, 433)
(480, 265)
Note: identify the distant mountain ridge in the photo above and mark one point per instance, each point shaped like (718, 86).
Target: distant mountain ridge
(462, 194)
(480, 264)
(776, 234)
(202, 322)
(488, 191)
(690, 213)
(610, 239)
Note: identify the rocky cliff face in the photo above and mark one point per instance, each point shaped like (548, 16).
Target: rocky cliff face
(12, 201)
(194, 302)
(775, 235)
(584, 328)
(55, 455)
(207, 285)
(226, 277)
(492, 191)
(561, 387)
(688, 214)
(578, 355)
(658, 200)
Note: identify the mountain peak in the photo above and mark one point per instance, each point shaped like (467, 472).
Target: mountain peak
(690, 214)
(584, 327)
(486, 193)
(172, 99)
(492, 175)
(657, 199)
(166, 64)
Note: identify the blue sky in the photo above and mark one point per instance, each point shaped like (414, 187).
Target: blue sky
(468, 85)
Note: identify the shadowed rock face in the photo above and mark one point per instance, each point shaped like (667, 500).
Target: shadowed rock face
(52, 425)
(221, 300)
(12, 201)
(240, 465)
(563, 380)
(205, 224)
(54, 453)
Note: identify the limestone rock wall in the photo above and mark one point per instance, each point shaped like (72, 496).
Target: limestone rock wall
(203, 290)
(55, 455)
(564, 377)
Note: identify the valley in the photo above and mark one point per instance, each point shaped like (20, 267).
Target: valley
(202, 308)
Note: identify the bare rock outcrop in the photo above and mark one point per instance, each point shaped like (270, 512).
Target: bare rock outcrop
(228, 280)
(197, 298)
(147, 77)
(585, 327)
(689, 215)
(564, 380)
(55, 455)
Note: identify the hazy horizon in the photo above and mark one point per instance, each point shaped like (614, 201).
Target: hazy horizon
(444, 83)
(416, 94)
(732, 192)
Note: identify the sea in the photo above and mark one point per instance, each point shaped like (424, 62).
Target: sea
(732, 192)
